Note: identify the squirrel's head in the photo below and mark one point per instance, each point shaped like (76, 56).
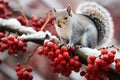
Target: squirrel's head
(63, 16)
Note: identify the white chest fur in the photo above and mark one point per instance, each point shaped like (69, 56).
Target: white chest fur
(65, 31)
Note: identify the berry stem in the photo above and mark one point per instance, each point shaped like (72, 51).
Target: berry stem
(46, 22)
(25, 63)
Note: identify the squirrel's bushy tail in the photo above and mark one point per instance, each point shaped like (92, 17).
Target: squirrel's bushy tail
(101, 17)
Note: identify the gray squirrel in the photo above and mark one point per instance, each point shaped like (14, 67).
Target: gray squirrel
(90, 26)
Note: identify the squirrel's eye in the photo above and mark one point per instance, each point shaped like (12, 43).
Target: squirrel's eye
(65, 18)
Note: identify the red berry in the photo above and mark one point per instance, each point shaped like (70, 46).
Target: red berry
(60, 57)
(20, 44)
(9, 14)
(1, 1)
(63, 62)
(113, 51)
(66, 55)
(2, 34)
(39, 23)
(11, 37)
(30, 77)
(57, 52)
(4, 40)
(82, 73)
(50, 45)
(7, 5)
(92, 58)
(118, 66)
(10, 43)
(117, 60)
(104, 51)
(56, 61)
(76, 58)
(54, 69)
(42, 21)
(98, 63)
(64, 49)
(111, 56)
(1, 7)
(55, 47)
(105, 57)
(71, 61)
(25, 74)
(18, 69)
(72, 48)
(4, 46)
(29, 69)
(20, 18)
(46, 43)
(40, 50)
(20, 73)
(34, 19)
(67, 66)
(76, 69)
(77, 64)
(11, 51)
(106, 68)
(51, 54)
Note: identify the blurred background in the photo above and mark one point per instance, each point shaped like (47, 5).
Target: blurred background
(40, 64)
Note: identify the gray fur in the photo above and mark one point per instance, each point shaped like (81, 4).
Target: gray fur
(80, 29)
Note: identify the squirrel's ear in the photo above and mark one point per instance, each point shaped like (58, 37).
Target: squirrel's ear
(69, 9)
(54, 10)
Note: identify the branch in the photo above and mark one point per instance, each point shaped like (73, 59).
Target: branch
(39, 37)
(12, 25)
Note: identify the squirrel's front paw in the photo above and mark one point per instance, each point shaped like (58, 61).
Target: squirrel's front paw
(69, 46)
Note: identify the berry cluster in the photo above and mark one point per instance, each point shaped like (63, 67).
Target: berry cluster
(97, 66)
(12, 44)
(62, 59)
(35, 22)
(24, 73)
(5, 9)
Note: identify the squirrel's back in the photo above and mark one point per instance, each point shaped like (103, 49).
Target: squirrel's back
(101, 17)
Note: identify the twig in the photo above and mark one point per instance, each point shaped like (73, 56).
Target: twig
(46, 22)
(112, 46)
(26, 62)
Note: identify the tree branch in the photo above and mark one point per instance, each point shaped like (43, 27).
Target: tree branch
(12, 25)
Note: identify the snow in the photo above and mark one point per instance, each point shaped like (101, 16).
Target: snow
(90, 51)
(14, 24)
(40, 34)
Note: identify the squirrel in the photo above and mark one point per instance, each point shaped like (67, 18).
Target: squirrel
(90, 26)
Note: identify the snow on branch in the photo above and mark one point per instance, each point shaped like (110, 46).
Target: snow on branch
(14, 26)
(39, 37)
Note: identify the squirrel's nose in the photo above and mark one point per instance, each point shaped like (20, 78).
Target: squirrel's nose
(59, 24)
